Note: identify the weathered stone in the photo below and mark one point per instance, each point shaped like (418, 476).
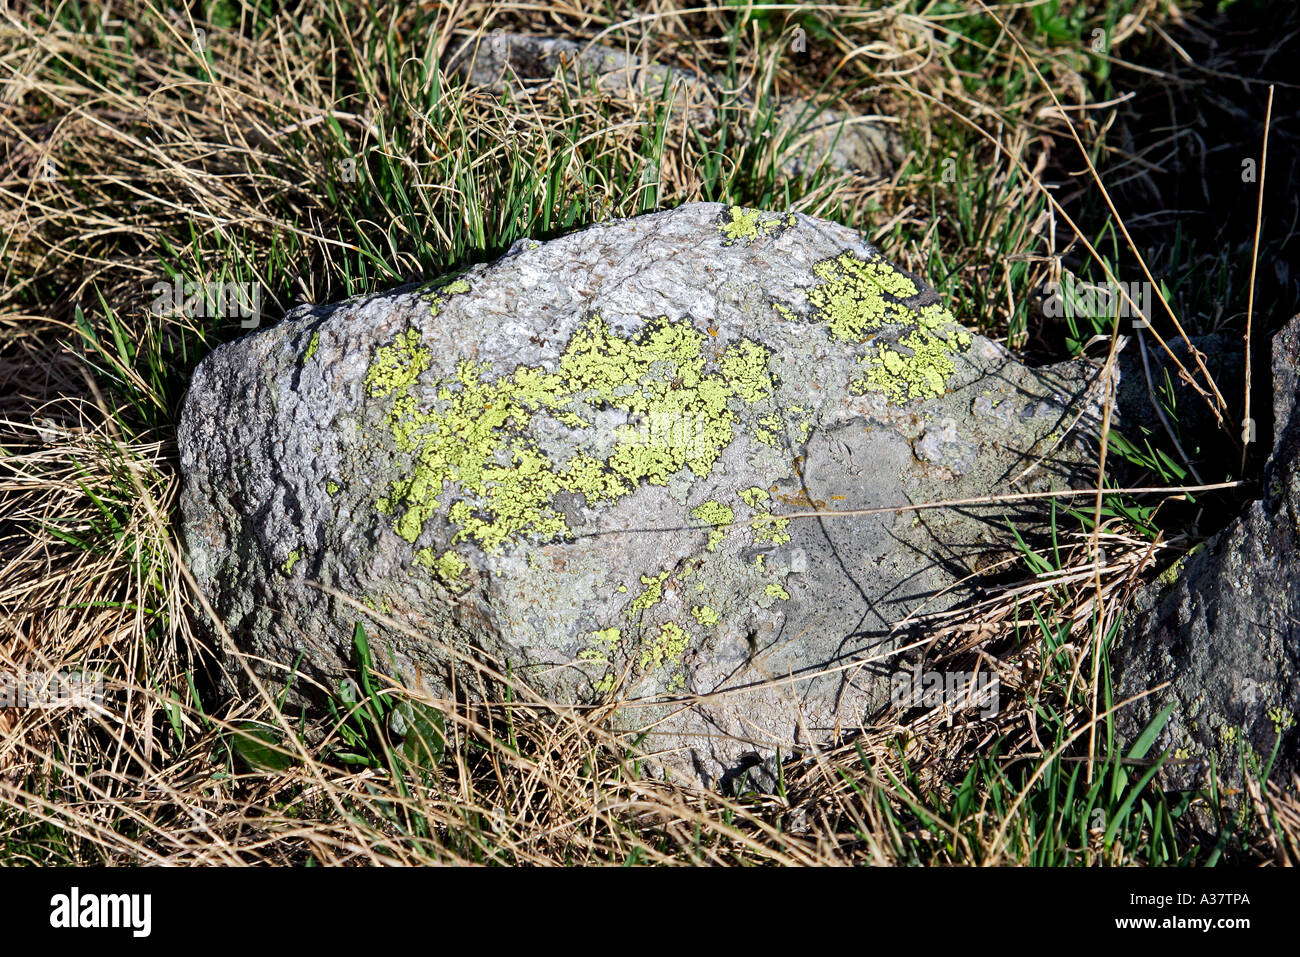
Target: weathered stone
(512, 62)
(582, 459)
(1224, 630)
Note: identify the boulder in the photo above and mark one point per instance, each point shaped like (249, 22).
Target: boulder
(665, 462)
(1222, 628)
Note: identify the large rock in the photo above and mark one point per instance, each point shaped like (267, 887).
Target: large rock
(576, 461)
(1224, 629)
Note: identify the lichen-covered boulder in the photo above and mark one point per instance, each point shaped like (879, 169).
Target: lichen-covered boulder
(613, 462)
(1218, 637)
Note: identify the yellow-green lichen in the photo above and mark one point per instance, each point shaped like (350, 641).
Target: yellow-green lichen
(716, 514)
(769, 427)
(312, 346)
(666, 647)
(289, 562)
(331, 487)
(449, 567)
(604, 643)
(753, 495)
(476, 439)
(651, 595)
(1282, 718)
(805, 422)
(920, 373)
(745, 366)
(1170, 575)
(856, 298)
(396, 367)
(776, 591)
(705, 615)
(746, 225)
(770, 528)
(436, 295)
(805, 429)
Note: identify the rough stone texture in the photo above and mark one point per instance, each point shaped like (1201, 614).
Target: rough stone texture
(1225, 633)
(512, 61)
(576, 459)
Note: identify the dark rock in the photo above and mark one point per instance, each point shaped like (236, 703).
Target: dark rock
(1225, 634)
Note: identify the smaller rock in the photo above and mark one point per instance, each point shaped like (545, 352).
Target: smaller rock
(1225, 632)
(514, 62)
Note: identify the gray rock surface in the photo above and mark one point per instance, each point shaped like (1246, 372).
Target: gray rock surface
(515, 62)
(1224, 629)
(580, 460)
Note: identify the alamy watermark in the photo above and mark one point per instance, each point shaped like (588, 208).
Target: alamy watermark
(1083, 300)
(78, 910)
(953, 690)
(51, 689)
(684, 433)
(209, 300)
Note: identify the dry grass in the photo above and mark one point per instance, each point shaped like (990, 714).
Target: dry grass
(128, 154)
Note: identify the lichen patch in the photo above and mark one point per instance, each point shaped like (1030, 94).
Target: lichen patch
(472, 453)
(856, 298)
(742, 225)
